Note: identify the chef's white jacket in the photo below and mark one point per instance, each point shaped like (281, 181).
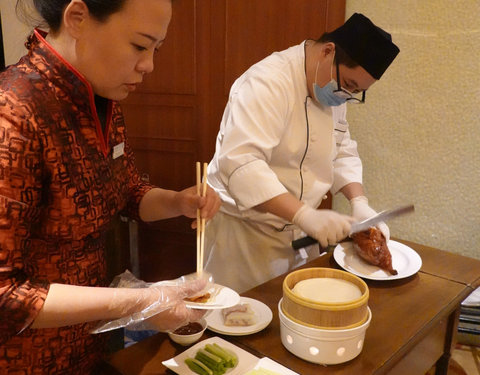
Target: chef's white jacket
(274, 138)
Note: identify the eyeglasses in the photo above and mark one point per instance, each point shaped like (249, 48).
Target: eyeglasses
(345, 94)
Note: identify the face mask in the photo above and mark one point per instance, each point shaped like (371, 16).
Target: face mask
(325, 95)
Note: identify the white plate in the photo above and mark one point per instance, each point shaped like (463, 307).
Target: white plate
(263, 315)
(404, 259)
(223, 297)
(246, 361)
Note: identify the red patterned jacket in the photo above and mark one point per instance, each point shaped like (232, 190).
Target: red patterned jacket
(60, 186)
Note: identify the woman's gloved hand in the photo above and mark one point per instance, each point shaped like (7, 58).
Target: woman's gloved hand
(362, 211)
(160, 306)
(167, 306)
(326, 226)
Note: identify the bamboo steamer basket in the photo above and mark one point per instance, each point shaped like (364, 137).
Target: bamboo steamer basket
(324, 315)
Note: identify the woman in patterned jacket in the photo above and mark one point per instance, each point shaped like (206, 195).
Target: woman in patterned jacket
(65, 170)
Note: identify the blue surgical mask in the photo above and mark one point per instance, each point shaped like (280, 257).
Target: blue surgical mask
(325, 95)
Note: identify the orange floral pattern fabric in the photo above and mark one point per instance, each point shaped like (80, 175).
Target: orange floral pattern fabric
(60, 186)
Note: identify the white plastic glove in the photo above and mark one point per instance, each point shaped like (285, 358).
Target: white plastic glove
(170, 299)
(362, 211)
(326, 226)
(159, 306)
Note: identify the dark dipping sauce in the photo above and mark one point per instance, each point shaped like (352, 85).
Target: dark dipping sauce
(189, 329)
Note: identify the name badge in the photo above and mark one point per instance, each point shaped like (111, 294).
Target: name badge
(118, 150)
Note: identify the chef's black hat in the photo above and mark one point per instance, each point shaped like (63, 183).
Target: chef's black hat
(366, 44)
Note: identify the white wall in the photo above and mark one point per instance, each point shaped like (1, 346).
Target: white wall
(14, 32)
(419, 131)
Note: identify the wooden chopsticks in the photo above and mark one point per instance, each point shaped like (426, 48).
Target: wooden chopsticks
(202, 191)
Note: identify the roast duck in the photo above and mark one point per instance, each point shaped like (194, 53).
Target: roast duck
(371, 245)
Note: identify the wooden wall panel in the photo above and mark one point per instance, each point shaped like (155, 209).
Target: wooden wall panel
(263, 27)
(162, 121)
(175, 67)
(170, 169)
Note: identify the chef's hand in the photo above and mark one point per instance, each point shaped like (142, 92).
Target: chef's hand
(362, 211)
(169, 301)
(326, 226)
(190, 201)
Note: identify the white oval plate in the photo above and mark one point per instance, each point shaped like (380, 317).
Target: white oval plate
(222, 297)
(405, 260)
(263, 314)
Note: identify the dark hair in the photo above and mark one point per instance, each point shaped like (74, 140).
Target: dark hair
(52, 10)
(340, 55)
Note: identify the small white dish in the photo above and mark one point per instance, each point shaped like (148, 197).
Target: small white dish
(222, 297)
(186, 340)
(263, 316)
(405, 260)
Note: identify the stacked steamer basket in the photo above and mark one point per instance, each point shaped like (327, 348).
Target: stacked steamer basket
(326, 331)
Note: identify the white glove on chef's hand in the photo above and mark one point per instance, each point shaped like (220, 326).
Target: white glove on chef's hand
(326, 226)
(362, 211)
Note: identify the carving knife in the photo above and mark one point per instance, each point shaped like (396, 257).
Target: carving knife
(360, 226)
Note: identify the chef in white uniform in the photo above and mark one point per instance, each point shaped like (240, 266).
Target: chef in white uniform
(283, 144)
